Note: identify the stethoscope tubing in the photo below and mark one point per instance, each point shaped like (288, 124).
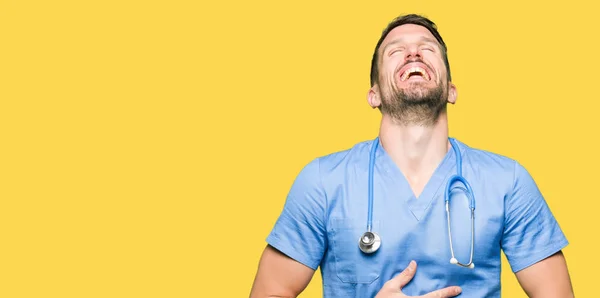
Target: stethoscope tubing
(456, 178)
(371, 171)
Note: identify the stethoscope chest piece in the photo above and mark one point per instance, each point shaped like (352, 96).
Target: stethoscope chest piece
(369, 242)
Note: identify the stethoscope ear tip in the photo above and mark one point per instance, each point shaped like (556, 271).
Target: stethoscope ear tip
(453, 261)
(472, 265)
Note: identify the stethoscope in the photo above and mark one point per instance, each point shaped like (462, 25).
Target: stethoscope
(370, 241)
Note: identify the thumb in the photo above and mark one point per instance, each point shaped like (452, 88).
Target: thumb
(402, 279)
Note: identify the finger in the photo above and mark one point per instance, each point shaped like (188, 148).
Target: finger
(400, 280)
(445, 292)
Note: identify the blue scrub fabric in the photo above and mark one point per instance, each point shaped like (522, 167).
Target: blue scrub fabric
(325, 213)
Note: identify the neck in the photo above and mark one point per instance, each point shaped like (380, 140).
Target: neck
(417, 150)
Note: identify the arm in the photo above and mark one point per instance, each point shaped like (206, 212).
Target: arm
(547, 278)
(533, 240)
(297, 242)
(279, 276)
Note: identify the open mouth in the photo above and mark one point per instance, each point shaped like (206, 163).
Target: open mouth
(414, 72)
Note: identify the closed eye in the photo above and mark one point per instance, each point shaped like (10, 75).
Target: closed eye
(396, 50)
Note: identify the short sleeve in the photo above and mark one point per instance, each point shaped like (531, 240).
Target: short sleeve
(531, 232)
(300, 231)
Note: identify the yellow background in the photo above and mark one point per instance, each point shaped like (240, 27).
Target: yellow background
(147, 146)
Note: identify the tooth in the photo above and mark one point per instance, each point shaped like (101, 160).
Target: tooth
(412, 70)
(405, 75)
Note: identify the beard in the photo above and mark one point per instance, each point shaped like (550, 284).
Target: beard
(415, 105)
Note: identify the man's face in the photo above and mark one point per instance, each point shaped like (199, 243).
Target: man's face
(412, 74)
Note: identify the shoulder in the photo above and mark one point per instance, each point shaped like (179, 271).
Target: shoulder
(315, 178)
(497, 166)
(336, 163)
(486, 160)
(355, 154)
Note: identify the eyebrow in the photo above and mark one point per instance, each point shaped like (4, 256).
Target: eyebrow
(400, 40)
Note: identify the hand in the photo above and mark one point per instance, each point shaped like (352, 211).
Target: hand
(393, 287)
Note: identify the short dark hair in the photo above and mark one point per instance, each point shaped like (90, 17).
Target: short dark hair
(403, 20)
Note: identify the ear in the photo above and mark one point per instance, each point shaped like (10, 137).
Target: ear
(373, 97)
(452, 93)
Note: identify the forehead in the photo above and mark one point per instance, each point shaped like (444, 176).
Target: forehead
(408, 33)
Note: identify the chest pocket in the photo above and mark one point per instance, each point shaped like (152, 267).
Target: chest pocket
(351, 264)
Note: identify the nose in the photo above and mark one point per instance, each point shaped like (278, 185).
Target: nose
(412, 53)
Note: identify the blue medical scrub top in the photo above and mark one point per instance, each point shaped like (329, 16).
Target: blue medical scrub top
(325, 214)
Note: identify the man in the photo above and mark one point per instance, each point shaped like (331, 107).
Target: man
(327, 209)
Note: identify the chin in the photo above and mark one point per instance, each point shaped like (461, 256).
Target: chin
(417, 91)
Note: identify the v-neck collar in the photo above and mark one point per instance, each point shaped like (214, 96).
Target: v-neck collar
(419, 206)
